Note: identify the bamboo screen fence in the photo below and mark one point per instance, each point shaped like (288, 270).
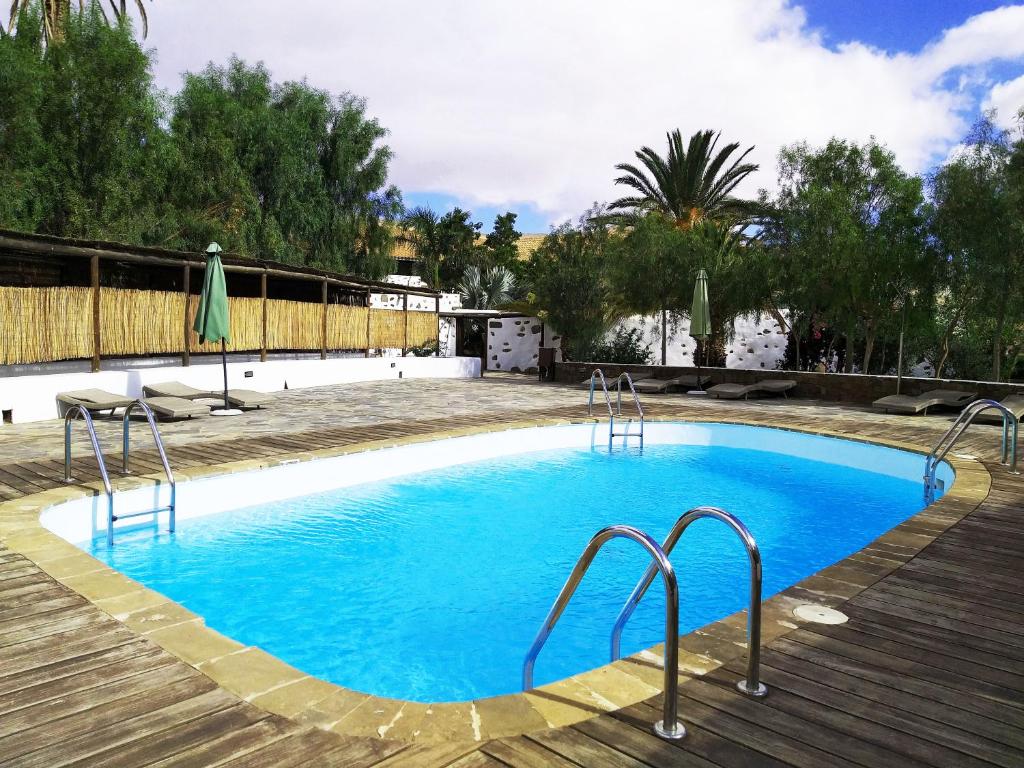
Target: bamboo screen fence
(48, 324)
(41, 324)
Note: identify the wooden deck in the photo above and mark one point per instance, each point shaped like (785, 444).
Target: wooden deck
(928, 671)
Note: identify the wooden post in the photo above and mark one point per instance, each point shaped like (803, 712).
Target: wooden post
(94, 269)
(405, 318)
(186, 352)
(369, 315)
(263, 298)
(323, 328)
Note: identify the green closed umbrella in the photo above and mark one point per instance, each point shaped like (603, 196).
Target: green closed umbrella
(700, 316)
(213, 321)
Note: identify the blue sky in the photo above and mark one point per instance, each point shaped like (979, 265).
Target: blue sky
(528, 106)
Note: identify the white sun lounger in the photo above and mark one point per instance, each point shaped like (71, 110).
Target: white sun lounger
(949, 398)
(737, 391)
(98, 400)
(611, 380)
(660, 386)
(240, 398)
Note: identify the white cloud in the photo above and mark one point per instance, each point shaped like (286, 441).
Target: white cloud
(537, 100)
(1007, 99)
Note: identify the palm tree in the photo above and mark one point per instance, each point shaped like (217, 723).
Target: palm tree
(689, 185)
(422, 230)
(486, 289)
(56, 14)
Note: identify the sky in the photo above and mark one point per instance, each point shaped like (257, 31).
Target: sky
(528, 105)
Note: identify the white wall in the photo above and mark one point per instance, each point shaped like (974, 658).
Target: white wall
(513, 343)
(33, 398)
(754, 344)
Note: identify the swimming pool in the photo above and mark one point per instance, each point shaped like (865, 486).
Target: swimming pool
(427, 570)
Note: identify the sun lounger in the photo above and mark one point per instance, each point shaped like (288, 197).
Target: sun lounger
(949, 398)
(98, 400)
(737, 391)
(239, 398)
(611, 380)
(991, 416)
(659, 386)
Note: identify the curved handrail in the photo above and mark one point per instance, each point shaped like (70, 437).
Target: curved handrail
(69, 416)
(752, 686)
(957, 429)
(598, 373)
(632, 390)
(669, 727)
(160, 450)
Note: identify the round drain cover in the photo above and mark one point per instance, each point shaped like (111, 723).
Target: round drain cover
(819, 614)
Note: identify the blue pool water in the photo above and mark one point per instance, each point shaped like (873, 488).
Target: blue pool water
(431, 587)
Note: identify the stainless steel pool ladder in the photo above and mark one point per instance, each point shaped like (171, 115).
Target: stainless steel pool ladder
(669, 726)
(752, 686)
(598, 374)
(1008, 453)
(171, 508)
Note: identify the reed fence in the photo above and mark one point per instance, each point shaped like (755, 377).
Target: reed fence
(43, 324)
(49, 324)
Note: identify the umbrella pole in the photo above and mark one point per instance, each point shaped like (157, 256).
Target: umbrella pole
(224, 361)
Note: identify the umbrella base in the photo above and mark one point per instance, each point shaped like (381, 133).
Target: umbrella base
(225, 412)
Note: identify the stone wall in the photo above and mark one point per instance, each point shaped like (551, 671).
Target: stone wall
(513, 343)
(839, 387)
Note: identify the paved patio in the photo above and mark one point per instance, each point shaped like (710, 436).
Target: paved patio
(929, 671)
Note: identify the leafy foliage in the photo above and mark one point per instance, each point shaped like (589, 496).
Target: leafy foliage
(89, 148)
(624, 346)
(571, 283)
(847, 230)
(486, 288)
(689, 184)
(55, 15)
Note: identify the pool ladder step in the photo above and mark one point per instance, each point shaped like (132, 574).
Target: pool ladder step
(669, 727)
(79, 410)
(598, 375)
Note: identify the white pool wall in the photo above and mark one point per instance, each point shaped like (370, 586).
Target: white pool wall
(84, 519)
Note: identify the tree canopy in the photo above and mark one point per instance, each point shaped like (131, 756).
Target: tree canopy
(282, 171)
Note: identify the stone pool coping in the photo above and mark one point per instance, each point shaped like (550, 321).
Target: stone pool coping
(257, 677)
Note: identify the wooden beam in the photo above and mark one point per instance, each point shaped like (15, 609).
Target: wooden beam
(41, 247)
(369, 316)
(323, 329)
(94, 271)
(263, 304)
(405, 318)
(185, 351)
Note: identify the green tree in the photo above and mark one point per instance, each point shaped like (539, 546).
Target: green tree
(55, 16)
(571, 285)
(80, 133)
(501, 244)
(486, 288)
(977, 223)
(847, 230)
(689, 184)
(445, 245)
(282, 172)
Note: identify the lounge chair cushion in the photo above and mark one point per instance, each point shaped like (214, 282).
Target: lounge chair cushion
(246, 398)
(95, 399)
(176, 389)
(176, 407)
(663, 385)
(731, 391)
(776, 386)
(918, 403)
